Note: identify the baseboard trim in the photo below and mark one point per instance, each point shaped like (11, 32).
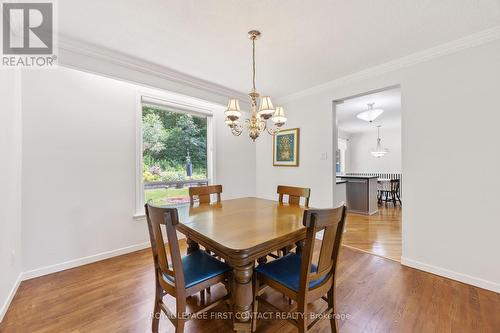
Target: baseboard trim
(472, 280)
(82, 261)
(9, 299)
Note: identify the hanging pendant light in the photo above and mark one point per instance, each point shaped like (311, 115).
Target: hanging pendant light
(371, 114)
(379, 152)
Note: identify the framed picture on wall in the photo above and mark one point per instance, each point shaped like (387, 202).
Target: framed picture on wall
(286, 148)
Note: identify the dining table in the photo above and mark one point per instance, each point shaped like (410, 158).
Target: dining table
(242, 232)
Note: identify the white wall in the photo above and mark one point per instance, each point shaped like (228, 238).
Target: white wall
(315, 139)
(79, 167)
(235, 161)
(449, 105)
(360, 145)
(10, 186)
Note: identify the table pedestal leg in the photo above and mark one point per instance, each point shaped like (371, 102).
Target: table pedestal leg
(192, 246)
(243, 297)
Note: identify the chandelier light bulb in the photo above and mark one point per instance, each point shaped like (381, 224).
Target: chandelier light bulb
(279, 118)
(266, 109)
(233, 109)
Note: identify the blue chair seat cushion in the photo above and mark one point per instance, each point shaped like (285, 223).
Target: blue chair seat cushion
(286, 270)
(198, 267)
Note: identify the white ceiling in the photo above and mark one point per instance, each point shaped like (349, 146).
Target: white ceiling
(304, 43)
(387, 100)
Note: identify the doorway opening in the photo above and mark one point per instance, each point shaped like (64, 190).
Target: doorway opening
(368, 170)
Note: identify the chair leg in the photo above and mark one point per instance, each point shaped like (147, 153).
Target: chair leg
(181, 316)
(156, 312)
(229, 289)
(180, 326)
(331, 304)
(202, 297)
(255, 289)
(302, 317)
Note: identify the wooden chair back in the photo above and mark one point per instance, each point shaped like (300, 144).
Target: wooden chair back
(331, 222)
(294, 194)
(395, 185)
(174, 283)
(203, 193)
(156, 217)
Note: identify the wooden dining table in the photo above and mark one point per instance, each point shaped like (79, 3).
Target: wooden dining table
(243, 231)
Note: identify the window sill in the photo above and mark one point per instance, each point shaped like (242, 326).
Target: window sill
(139, 217)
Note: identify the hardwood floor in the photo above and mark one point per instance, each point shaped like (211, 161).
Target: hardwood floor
(377, 294)
(378, 234)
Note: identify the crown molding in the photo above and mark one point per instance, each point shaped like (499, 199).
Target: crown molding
(104, 55)
(454, 46)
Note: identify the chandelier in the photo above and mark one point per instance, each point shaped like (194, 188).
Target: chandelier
(257, 123)
(371, 114)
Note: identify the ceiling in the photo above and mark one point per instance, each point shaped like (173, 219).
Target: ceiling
(387, 100)
(304, 43)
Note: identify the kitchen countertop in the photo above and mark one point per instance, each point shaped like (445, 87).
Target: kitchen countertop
(358, 177)
(340, 181)
(361, 193)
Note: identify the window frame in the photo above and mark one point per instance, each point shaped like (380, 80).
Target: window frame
(177, 103)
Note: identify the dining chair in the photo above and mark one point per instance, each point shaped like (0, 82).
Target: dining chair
(204, 193)
(204, 196)
(383, 185)
(184, 276)
(392, 192)
(296, 276)
(294, 194)
(395, 191)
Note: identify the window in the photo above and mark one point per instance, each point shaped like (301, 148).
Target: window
(340, 156)
(175, 153)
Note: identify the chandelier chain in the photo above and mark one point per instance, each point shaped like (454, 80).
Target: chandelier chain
(253, 62)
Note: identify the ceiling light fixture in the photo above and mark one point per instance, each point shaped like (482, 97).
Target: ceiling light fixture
(257, 122)
(379, 151)
(371, 114)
